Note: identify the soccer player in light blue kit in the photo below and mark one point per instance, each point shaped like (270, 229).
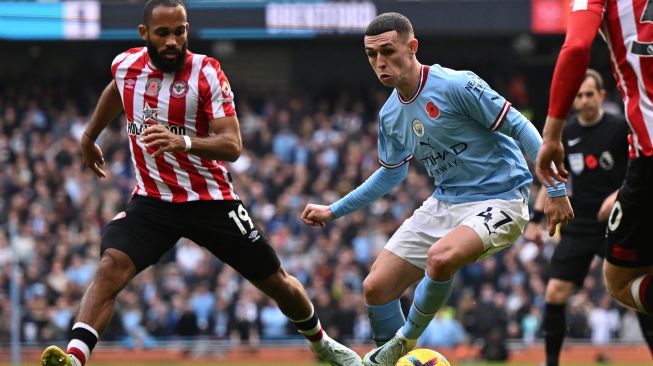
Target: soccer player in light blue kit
(464, 134)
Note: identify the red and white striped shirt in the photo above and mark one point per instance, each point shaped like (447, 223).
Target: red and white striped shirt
(627, 27)
(184, 102)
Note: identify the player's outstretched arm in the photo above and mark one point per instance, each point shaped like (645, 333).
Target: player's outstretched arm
(317, 215)
(108, 107)
(569, 73)
(550, 165)
(382, 181)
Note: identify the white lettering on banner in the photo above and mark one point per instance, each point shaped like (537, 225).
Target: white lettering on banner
(347, 16)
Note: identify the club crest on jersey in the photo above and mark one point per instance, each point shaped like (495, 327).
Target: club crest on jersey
(576, 162)
(179, 89)
(418, 127)
(150, 114)
(606, 160)
(153, 86)
(432, 110)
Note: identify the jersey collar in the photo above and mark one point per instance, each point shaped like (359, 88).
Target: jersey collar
(423, 75)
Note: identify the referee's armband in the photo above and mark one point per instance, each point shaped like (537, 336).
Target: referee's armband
(556, 192)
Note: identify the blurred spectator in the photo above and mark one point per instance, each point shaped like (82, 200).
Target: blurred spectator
(443, 331)
(604, 321)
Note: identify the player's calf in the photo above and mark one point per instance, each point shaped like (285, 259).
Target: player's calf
(641, 290)
(632, 287)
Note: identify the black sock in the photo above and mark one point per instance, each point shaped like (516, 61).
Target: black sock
(646, 324)
(554, 327)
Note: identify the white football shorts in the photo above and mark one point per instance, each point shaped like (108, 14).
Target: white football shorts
(498, 222)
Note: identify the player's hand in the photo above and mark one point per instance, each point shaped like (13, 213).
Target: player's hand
(606, 207)
(160, 138)
(558, 211)
(317, 215)
(92, 156)
(533, 233)
(550, 163)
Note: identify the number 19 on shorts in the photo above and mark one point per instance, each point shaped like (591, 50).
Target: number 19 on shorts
(240, 217)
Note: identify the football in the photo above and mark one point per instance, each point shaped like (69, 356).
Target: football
(423, 357)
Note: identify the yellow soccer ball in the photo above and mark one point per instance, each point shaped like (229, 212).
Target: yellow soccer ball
(423, 357)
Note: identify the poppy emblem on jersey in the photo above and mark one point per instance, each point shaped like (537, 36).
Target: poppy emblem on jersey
(432, 110)
(576, 163)
(179, 89)
(606, 160)
(153, 86)
(418, 127)
(591, 162)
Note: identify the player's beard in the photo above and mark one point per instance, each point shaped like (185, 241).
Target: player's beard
(164, 64)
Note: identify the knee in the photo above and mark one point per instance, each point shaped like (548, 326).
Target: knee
(373, 291)
(557, 291)
(440, 264)
(114, 270)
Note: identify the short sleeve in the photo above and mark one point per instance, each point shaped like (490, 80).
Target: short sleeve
(217, 98)
(392, 154)
(474, 97)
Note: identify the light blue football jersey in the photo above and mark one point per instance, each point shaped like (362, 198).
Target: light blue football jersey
(457, 127)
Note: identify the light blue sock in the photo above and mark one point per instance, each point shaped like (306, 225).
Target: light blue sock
(429, 297)
(385, 320)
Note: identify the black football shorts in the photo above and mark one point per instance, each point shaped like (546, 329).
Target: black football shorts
(148, 228)
(574, 254)
(629, 240)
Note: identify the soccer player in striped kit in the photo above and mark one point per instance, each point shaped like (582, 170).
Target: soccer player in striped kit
(627, 27)
(465, 134)
(182, 125)
(596, 147)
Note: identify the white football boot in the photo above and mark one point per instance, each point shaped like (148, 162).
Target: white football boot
(334, 353)
(389, 353)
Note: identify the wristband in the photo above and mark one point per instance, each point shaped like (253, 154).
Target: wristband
(188, 144)
(536, 216)
(556, 192)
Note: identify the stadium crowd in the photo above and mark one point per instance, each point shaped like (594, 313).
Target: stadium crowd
(297, 148)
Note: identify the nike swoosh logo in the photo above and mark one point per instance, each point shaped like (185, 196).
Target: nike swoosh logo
(574, 142)
(373, 356)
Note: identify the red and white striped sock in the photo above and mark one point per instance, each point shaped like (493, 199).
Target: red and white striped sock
(84, 338)
(310, 328)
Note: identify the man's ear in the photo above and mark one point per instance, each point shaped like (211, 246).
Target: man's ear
(142, 30)
(413, 45)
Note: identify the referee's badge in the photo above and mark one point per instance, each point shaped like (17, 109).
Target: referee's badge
(418, 127)
(576, 162)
